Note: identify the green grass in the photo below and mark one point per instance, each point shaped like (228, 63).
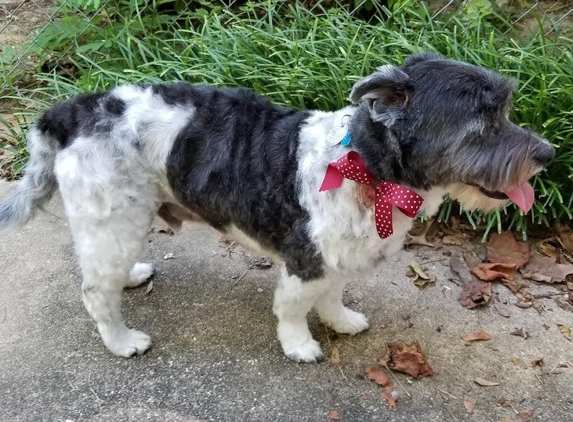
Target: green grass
(310, 59)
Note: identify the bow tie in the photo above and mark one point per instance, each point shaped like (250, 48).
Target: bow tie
(352, 167)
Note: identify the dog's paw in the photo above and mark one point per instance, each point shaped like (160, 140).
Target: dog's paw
(139, 274)
(307, 352)
(128, 343)
(348, 322)
(298, 344)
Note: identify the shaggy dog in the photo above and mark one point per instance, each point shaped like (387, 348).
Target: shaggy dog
(330, 195)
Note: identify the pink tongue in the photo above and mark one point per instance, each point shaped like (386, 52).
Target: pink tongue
(523, 196)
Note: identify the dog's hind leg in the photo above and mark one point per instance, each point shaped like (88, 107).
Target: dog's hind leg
(335, 315)
(110, 212)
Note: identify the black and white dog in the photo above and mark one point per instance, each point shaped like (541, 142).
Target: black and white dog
(329, 194)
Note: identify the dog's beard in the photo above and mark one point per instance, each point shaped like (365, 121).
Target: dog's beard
(471, 198)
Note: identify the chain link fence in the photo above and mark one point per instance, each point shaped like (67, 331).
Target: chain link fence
(25, 24)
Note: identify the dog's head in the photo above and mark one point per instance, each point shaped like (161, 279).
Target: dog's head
(438, 122)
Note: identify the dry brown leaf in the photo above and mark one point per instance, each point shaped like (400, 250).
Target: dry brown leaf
(408, 358)
(477, 336)
(538, 362)
(564, 236)
(335, 355)
(569, 285)
(390, 398)
(504, 249)
(452, 240)
(262, 262)
(485, 383)
(470, 404)
(495, 271)
(520, 333)
(544, 266)
(526, 416)
(565, 330)
(334, 415)
(546, 248)
(475, 292)
(503, 402)
(376, 375)
(418, 270)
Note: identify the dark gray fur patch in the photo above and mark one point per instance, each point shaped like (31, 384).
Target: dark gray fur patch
(235, 163)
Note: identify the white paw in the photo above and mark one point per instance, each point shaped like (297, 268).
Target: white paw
(127, 342)
(298, 345)
(348, 322)
(139, 274)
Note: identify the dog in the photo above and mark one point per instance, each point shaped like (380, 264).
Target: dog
(330, 195)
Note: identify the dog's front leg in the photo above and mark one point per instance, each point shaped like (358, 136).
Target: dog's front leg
(294, 298)
(337, 316)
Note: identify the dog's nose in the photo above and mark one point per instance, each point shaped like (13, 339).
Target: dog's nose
(545, 155)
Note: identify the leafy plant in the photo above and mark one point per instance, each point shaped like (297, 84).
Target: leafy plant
(310, 57)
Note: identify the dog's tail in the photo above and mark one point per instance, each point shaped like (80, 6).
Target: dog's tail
(37, 185)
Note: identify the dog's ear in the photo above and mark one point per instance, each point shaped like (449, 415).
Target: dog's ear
(385, 92)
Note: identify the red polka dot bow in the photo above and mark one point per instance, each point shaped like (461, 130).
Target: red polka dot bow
(352, 167)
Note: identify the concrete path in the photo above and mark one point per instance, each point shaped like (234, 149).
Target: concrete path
(216, 356)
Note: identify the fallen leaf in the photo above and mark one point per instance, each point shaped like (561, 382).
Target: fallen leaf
(477, 336)
(562, 365)
(376, 375)
(506, 420)
(516, 361)
(485, 383)
(334, 415)
(262, 262)
(548, 249)
(410, 273)
(420, 239)
(335, 355)
(390, 398)
(526, 416)
(452, 240)
(471, 259)
(503, 248)
(418, 270)
(520, 333)
(564, 236)
(503, 402)
(422, 284)
(169, 256)
(475, 292)
(408, 358)
(495, 271)
(149, 288)
(569, 285)
(565, 330)
(523, 303)
(536, 277)
(470, 404)
(538, 362)
(540, 266)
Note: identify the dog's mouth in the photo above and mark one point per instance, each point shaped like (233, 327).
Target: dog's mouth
(523, 196)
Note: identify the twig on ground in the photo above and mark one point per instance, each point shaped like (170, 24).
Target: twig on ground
(397, 381)
(241, 277)
(91, 388)
(555, 399)
(342, 372)
(548, 294)
(445, 392)
(447, 408)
